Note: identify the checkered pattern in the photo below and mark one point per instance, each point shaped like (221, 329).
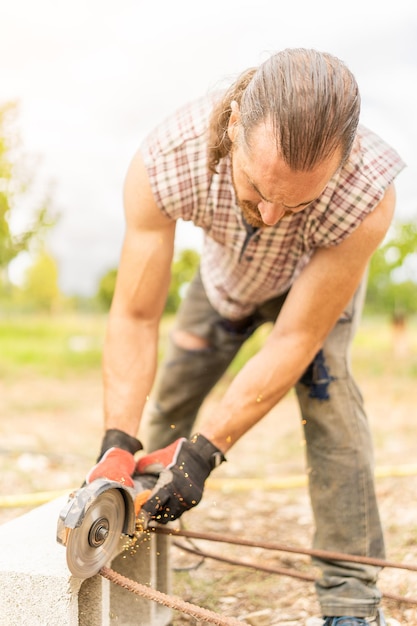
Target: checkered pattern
(239, 271)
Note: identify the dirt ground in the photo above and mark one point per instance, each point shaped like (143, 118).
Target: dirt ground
(50, 433)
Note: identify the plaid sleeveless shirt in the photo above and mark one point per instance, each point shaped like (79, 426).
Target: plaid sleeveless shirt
(239, 268)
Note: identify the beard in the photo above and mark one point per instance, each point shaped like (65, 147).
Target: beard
(249, 209)
(250, 213)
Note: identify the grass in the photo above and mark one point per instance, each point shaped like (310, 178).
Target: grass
(61, 345)
(50, 345)
(379, 349)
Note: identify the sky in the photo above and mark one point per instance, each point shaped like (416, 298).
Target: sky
(93, 77)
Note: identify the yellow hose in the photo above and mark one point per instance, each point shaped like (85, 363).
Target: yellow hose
(228, 485)
(287, 482)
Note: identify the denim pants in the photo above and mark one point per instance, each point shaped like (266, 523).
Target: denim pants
(338, 441)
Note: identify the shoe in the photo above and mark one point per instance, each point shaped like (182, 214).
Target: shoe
(345, 620)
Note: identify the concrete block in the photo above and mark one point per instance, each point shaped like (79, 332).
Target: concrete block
(37, 588)
(128, 609)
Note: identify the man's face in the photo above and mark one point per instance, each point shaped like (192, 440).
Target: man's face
(266, 188)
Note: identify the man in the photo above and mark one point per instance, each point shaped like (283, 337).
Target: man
(293, 198)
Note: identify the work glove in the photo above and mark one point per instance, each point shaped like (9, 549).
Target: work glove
(116, 461)
(183, 468)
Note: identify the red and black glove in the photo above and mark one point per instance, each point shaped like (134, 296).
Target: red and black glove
(116, 461)
(183, 468)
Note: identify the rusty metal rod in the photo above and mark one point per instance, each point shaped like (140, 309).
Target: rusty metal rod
(283, 571)
(170, 601)
(320, 554)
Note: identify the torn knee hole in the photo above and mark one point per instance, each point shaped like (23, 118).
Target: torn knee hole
(189, 341)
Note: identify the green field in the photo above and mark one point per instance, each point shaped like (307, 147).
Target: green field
(50, 346)
(62, 345)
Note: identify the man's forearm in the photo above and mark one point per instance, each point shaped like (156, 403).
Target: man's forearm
(129, 366)
(258, 387)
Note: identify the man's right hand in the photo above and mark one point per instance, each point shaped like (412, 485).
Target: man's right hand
(116, 461)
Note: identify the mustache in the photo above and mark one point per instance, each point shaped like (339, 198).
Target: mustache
(250, 207)
(251, 213)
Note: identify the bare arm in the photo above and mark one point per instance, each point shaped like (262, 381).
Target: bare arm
(130, 350)
(313, 306)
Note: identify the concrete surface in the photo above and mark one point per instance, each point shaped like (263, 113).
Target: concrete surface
(37, 589)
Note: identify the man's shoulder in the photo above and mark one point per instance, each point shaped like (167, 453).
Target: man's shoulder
(186, 128)
(355, 190)
(375, 157)
(175, 158)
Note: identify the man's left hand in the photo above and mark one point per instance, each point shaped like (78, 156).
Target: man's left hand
(183, 468)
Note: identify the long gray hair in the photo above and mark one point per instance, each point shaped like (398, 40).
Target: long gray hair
(310, 98)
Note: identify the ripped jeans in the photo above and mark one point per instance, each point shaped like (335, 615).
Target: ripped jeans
(338, 441)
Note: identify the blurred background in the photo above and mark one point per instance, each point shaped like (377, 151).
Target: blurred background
(81, 84)
(88, 80)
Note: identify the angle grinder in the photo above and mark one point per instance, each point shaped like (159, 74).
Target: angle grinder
(95, 517)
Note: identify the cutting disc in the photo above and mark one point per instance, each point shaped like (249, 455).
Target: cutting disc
(94, 543)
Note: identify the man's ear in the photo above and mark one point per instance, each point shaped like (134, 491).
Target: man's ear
(234, 121)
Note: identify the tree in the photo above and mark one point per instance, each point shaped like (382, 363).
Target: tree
(106, 288)
(40, 289)
(392, 284)
(16, 189)
(182, 271)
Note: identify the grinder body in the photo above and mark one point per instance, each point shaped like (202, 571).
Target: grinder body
(94, 518)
